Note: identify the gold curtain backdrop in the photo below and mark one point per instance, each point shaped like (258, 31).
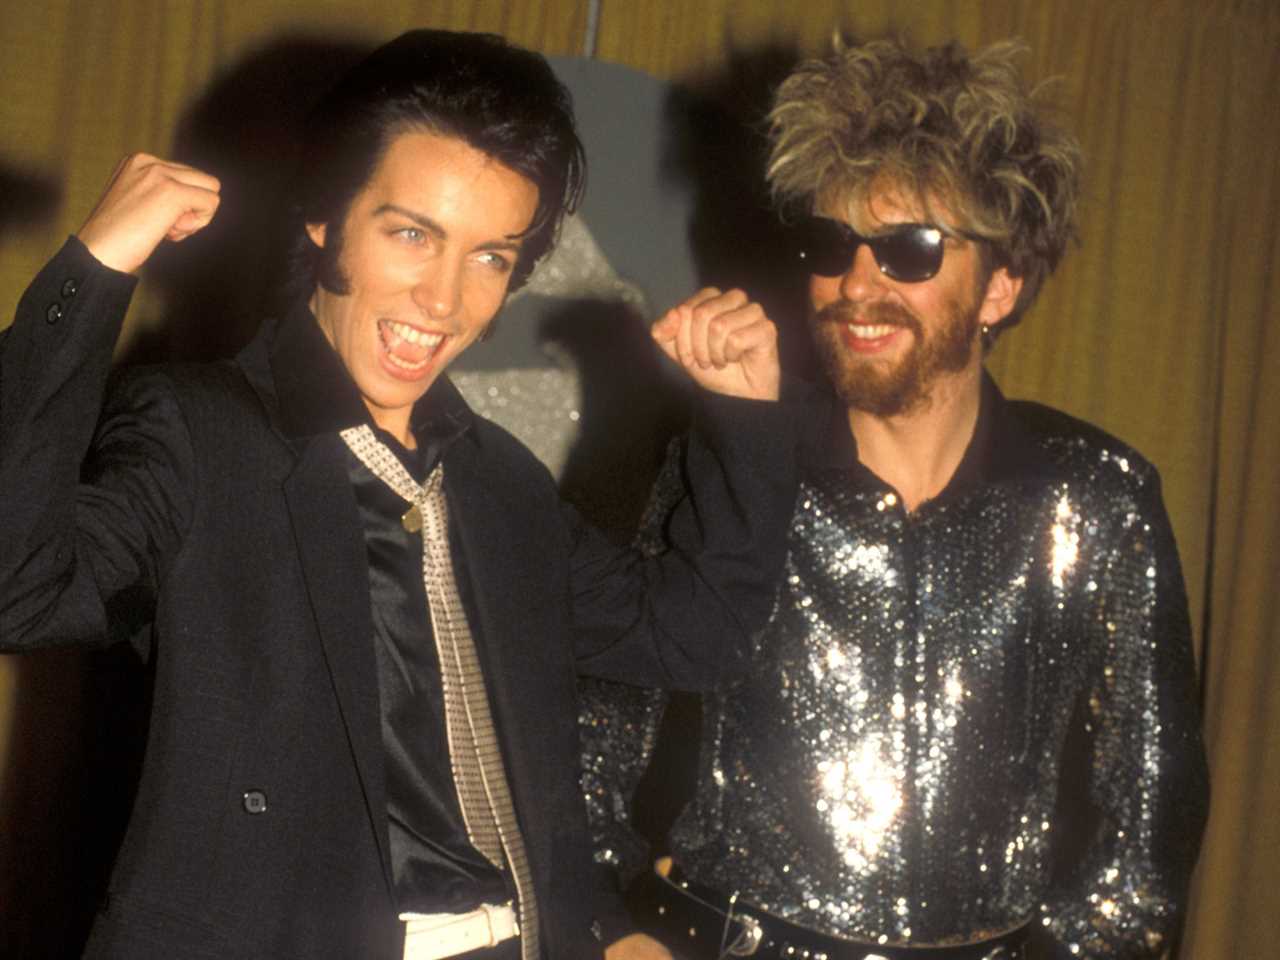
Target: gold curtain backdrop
(1161, 327)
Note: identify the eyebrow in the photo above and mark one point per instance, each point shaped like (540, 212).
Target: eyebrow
(436, 230)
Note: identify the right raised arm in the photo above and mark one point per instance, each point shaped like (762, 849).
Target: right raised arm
(147, 200)
(67, 544)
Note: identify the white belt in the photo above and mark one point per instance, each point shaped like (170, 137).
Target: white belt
(432, 936)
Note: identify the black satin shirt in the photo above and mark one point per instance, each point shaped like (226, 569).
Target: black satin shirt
(434, 865)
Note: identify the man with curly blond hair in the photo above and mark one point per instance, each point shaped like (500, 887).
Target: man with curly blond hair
(970, 728)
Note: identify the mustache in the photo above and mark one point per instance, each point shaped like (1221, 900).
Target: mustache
(845, 311)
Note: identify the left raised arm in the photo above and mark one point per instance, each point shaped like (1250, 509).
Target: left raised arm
(725, 343)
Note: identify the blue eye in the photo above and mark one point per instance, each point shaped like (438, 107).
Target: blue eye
(497, 261)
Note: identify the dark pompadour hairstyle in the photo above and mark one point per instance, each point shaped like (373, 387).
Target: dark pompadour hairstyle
(502, 100)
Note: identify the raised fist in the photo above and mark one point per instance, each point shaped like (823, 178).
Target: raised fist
(147, 200)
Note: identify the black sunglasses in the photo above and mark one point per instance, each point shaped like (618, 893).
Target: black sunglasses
(907, 252)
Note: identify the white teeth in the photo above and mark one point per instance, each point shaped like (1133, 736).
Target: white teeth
(864, 332)
(414, 335)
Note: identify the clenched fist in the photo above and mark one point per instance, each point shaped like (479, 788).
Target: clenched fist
(724, 342)
(147, 200)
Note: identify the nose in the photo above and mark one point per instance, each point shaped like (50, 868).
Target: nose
(438, 292)
(863, 280)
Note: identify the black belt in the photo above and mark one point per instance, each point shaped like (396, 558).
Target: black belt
(698, 922)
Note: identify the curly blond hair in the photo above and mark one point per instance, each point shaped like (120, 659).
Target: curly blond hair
(942, 127)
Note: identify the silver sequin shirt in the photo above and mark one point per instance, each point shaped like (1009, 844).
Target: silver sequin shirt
(960, 719)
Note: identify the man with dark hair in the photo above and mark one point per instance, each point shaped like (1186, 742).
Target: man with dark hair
(363, 607)
(971, 724)
(501, 100)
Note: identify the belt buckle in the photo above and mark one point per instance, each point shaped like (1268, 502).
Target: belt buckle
(747, 942)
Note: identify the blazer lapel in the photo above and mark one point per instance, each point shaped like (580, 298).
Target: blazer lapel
(332, 552)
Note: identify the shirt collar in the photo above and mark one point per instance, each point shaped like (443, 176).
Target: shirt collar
(316, 395)
(1000, 450)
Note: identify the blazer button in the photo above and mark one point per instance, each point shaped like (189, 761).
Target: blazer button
(255, 802)
(54, 313)
(71, 288)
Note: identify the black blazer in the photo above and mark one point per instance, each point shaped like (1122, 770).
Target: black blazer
(197, 523)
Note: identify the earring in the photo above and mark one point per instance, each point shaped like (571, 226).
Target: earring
(988, 338)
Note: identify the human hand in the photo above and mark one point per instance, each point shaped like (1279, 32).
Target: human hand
(636, 946)
(147, 200)
(724, 342)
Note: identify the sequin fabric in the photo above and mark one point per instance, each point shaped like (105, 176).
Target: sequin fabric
(959, 719)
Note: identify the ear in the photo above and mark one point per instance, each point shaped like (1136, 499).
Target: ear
(999, 300)
(316, 232)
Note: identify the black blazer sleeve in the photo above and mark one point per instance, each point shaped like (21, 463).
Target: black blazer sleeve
(683, 618)
(92, 498)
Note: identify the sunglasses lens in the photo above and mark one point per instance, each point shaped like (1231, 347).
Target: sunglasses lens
(825, 247)
(909, 255)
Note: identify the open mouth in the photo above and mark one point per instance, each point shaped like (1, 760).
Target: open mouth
(406, 347)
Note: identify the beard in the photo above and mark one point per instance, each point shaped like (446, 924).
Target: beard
(885, 387)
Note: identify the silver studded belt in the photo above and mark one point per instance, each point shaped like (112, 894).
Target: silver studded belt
(698, 923)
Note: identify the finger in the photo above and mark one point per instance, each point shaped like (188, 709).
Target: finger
(688, 324)
(694, 300)
(711, 305)
(669, 326)
(702, 296)
(684, 337)
(193, 177)
(148, 179)
(192, 221)
(665, 327)
(664, 331)
(754, 335)
(718, 333)
(716, 319)
(202, 206)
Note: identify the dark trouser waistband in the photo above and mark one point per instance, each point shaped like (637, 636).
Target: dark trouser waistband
(694, 922)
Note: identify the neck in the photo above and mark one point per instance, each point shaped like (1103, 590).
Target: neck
(395, 423)
(917, 452)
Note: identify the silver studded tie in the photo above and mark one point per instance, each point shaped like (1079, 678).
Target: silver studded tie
(478, 774)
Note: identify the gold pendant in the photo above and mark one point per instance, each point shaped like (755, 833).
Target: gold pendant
(412, 520)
